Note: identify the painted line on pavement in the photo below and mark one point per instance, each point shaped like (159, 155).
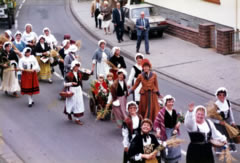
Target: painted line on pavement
(20, 6)
(23, 1)
(60, 77)
(16, 24)
(17, 13)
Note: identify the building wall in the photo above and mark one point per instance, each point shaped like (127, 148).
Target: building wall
(199, 10)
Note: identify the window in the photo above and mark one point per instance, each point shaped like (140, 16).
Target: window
(214, 1)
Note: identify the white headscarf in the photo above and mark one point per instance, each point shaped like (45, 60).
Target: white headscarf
(9, 33)
(101, 41)
(18, 33)
(139, 54)
(46, 29)
(6, 43)
(221, 89)
(64, 43)
(41, 36)
(114, 49)
(122, 71)
(168, 97)
(198, 107)
(131, 103)
(73, 49)
(74, 63)
(28, 24)
(25, 50)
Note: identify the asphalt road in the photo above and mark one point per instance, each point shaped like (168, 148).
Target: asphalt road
(42, 134)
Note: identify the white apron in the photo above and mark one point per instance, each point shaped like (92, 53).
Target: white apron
(75, 103)
(102, 67)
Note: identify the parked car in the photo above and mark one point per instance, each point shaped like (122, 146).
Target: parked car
(7, 11)
(132, 12)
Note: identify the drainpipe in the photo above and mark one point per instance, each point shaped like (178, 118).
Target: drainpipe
(237, 25)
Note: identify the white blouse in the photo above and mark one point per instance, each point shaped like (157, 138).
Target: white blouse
(26, 37)
(29, 63)
(132, 74)
(192, 126)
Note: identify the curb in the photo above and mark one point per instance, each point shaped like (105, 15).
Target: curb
(125, 54)
(7, 155)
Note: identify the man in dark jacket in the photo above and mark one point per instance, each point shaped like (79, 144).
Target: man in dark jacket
(118, 21)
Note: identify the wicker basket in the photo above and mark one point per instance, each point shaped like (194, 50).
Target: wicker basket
(66, 94)
(85, 74)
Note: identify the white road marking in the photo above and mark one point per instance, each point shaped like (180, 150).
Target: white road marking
(23, 1)
(17, 13)
(60, 77)
(183, 152)
(20, 6)
(16, 24)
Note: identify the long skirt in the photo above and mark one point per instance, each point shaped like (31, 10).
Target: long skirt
(45, 69)
(10, 81)
(29, 83)
(75, 104)
(148, 106)
(200, 153)
(171, 155)
(119, 112)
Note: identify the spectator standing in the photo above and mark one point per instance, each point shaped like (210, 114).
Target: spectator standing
(95, 11)
(118, 21)
(106, 12)
(142, 25)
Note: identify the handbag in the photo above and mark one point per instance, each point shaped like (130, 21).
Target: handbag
(66, 93)
(100, 17)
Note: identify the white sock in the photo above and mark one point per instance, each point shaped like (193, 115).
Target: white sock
(30, 99)
(77, 119)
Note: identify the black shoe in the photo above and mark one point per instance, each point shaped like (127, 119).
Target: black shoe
(122, 39)
(148, 53)
(30, 105)
(33, 103)
(137, 51)
(100, 27)
(119, 41)
(232, 148)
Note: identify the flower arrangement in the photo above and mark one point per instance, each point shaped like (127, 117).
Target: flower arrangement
(180, 117)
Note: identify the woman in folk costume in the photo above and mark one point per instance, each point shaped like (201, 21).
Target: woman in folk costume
(29, 37)
(225, 110)
(117, 61)
(200, 131)
(42, 51)
(166, 125)
(9, 62)
(29, 80)
(100, 57)
(143, 145)
(148, 106)
(69, 58)
(62, 53)
(75, 104)
(135, 71)
(119, 94)
(50, 39)
(8, 35)
(131, 127)
(19, 44)
(107, 16)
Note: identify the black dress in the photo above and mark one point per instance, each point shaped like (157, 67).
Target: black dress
(136, 146)
(200, 149)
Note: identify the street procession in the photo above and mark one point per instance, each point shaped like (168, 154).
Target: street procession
(66, 84)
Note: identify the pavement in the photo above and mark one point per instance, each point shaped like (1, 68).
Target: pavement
(200, 68)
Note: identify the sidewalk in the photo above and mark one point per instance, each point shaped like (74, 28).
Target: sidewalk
(201, 68)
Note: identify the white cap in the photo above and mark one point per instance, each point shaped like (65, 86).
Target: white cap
(198, 107)
(168, 97)
(73, 49)
(114, 49)
(101, 41)
(25, 50)
(18, 33)
(74, 63)
(9, 33)
(139, 54)
(221, 89)
(6, 43)
(28, 24)
(64, 43)
(46, 29)
(41, 36)
(121, 70)
(131, 103)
